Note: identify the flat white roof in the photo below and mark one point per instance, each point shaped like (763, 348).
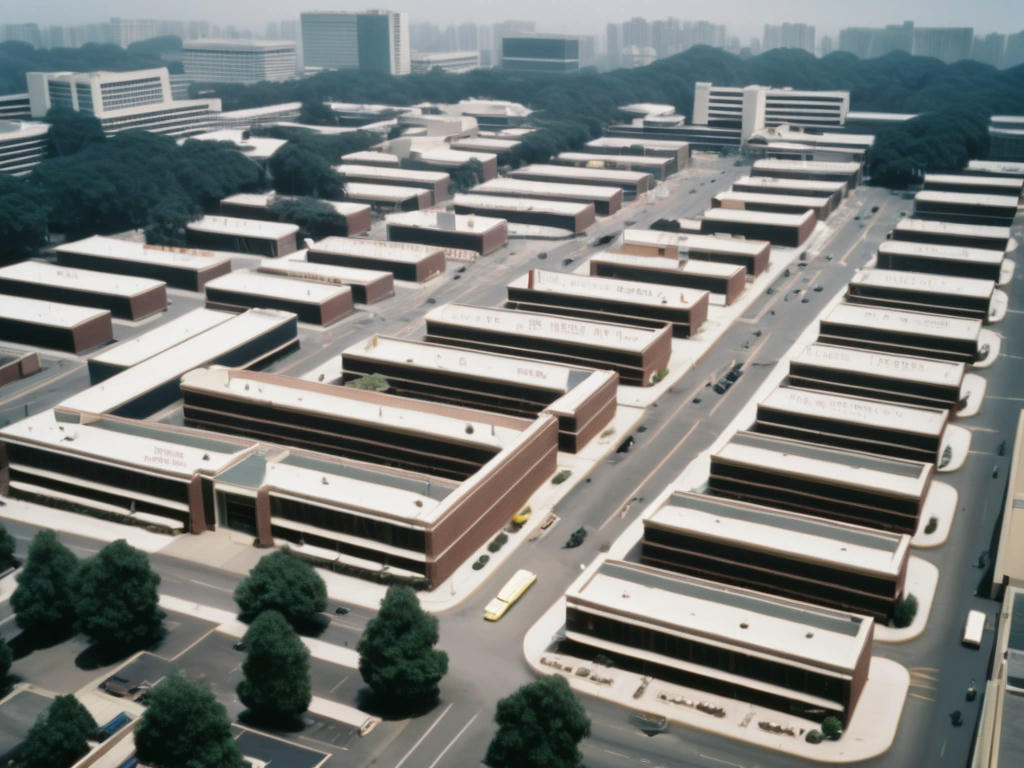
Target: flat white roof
(149, 446)
(370, 155)
(525, 204)
(809, 185)
(485, 143)
(229, 225)
(468, 224)
(389, 250)
(472, 363)
(400, 414)
(756, 197)
(50, 313)
(899, 477)
(650, 161)
(904, 367)
(91, 281)
(943, 252)
(260, 284)
(896, 117)
(454, 156)
(570, 172)
(932, 227)
(213, 44)
(382, 192)
(861, 411)
(995, 166)
(692, 267)
(612, 141)
(267, 199)
(966, 198)
(387, 173)
(812, 166)
(610, 289)
(526, 187)
(784, 533)
(538, 325)
(1010, 184)
(649, 109)
(322, 273)
(924, 282)
(127, 250)
(170, 334)
(759, 217)
(259, 147)
(353, 493)
(19, 130)
(724, 615)
(686, 241)
(171, 364)
(922, 323)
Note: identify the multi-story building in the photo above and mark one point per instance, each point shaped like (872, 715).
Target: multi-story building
(23, 145)
(871, 42)
(552, 54)
(447, 61)
(121, 101)
(946, 43)
(1006, 137)
(754, 107)
(15, 106)
(374, 41)
(789, 35)
(239, 61)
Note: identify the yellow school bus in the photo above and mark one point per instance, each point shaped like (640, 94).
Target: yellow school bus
(512, 591)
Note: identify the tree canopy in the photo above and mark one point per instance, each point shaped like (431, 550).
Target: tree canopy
(276, 688)
(282, 582)
(298, 171)
(184, 726)
(136, 180)
(7, 558)
(116, 599)
(71, 131)
(23, 219)
(43, 602)
(59, 738)
(397, 658)
(315, 218)
(540, 725)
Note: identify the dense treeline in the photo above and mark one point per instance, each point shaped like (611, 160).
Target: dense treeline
(574, 108)
(18, 58)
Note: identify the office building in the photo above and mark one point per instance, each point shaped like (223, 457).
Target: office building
(582, 399)
(940, 337)
(726, 280)
(755, 201)
(610, 300)
(572, 216)
(754, 107)
(413, 262)
(965, 208)
(849, 173)
(835, 565)
(259, 238)
(822, 481)
(632, 183)
(922, 292)
(478, 234)
(606, 200)
(454, 62)
(637, 354)
(995, 238)
(23, 145)
(545, 54)
(916, 381)
(752, 255)
(312, 302)
(967, 183)
(659, 167)
(1006, 137)
(239, 61)
(368, 286)
(15, 106)
(53, 325)
(374, 41)
(790, 230)
(835, 191)
(436, 182)
(122, 101)
(950, 260)
(784, 655)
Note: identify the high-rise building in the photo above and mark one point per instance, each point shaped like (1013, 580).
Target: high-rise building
(544, 53)
(121, 101)
(613, 46)
(789, 36)
(22, 33)
(754, 107)
(374, 41)
(989, 49)
(467, 37)
(124, 32)
(239, 61)
(1014, 53)
(948, 44)
(827, 45)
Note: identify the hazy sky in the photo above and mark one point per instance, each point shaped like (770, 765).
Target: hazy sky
(744, 17)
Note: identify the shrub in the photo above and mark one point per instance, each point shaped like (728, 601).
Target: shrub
(481, 562)
(374, 382)
(561, 477)
(576, 537)
(659, 375)
(933, 523)
(814, 737)
(906, 610)
(498, 542)
(831, 727)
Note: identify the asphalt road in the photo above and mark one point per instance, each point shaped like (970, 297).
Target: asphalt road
(486, 659)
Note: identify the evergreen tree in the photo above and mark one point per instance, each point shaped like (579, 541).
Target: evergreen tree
(276, 688)
(60, 738)
(282, 582)
(43, 601)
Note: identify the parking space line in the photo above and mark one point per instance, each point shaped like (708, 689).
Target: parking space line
(457, 737)
(419, 741)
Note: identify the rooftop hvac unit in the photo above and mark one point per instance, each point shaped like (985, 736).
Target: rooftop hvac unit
(446, 221)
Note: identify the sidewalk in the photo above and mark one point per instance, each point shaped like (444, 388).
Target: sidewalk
(82, 525)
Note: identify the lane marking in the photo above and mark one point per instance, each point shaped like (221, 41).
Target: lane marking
(450, 743)
(419, 741)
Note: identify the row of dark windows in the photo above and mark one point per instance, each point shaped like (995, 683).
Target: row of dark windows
(773, 672)
(818, 500)
(601, 306)
(956, 239)
(894, 340)
(341, 521)
(884, 387)
(939, 303)
(951, 267)
(128, 480)
(224, 241)
(340, 438)
(846, 434)
(401, 270)
(615, 313)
